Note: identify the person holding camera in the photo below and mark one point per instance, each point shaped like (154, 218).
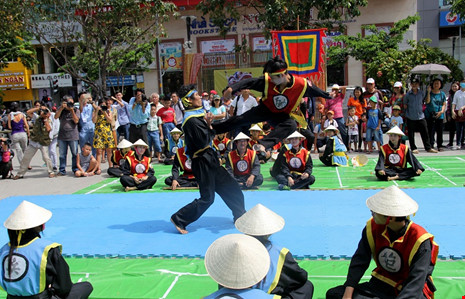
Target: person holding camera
(103, 136)
(40, 140)
(140, 112)
(68, 135)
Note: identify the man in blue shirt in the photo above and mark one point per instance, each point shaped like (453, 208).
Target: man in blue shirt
(86, 125)
(124, 118)
(139, 112)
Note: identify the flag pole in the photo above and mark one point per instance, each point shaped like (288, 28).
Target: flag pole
(298, 22)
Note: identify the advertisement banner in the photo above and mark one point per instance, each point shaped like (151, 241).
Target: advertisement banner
(259, 43)
(223, 78)
(171, 56)
(217, 46)
(449, 19)
(43, 80)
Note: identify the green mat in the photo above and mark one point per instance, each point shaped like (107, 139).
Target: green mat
(441, 171)
(187, 278)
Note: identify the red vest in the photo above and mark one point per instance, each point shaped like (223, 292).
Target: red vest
(241, 166)
(393, 259)
(252, 143)
(287, 100)
(394, 158)
(221, 145)
(185, 162)
(297, 161)
(139, 168)
(118, 159)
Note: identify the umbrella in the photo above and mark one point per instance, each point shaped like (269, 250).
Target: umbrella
(430, 69)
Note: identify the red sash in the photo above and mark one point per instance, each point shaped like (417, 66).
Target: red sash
(394, 158)
(287, 100)
(185, 162)
(296, 162)
(241, 165)
(139, 168)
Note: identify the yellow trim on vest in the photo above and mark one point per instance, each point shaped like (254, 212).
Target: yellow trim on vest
(266, 87)
(200, 151)
(282, 257)
(370, 239)
(43, 265)
(276, 297)
(420, 240)
(390, 282)
(27, 244)
(194, 115)
(405, 157)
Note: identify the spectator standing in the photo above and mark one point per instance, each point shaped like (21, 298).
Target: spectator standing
(86, 125)
(68, 135)
(374, 119)
(167, 116)
(155, 99)
(370, 91)
(450, 124)
(155, 133)
(123, 114)
(335, 104)
(19, 131)
(413, 104)
(435, 108)
(103, 137)
(458, 106)
(178, 109)
(352, 126)
(217, 109)
(241, 104)
(360, 104)
(206, 104)
(52, 148)
(139, 111)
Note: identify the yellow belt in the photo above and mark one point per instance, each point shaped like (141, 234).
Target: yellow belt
(339, 154)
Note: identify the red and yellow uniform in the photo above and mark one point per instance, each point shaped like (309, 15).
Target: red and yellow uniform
(118, 158)
(297, 161)
(139, 168)
(394, 157)
(185, 162)
(241, 165)
(221, 145)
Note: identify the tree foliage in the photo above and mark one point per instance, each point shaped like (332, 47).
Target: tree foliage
(105, 36)
(283, 14)
(382, 58)
(458, 7)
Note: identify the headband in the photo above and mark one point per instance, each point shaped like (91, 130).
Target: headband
(186, 103)
(278, 72)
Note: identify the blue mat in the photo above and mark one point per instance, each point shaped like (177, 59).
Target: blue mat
(319, 224)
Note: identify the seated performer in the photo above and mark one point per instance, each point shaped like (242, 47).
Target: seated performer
(296, 167)
(243, 164)
(404, 252)
(255, 136)
(237, 262)
(172, 143)
(222, 145)
(276, 168)
(186, 178)
(393, 159)
(285, 277)
(118, 157)
(335, 150)
(138, 173)
(32, 267)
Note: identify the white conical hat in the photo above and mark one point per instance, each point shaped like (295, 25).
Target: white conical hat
(260, 221)
(241, 136)
(392, 202)
(255, 128)
(140, 142)
(395, 130)
(296, 134)
(175, 130)
(237, 261)
(27, 215)
(124, 144)
(332, 128)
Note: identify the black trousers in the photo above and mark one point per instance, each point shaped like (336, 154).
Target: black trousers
(183, 182)
(128, 181)
(404, 174)
(212, 177)
(78, 290)
(137, 132)
(418, 126)
(282, 123)
(115, 172)
(299, 183)
(435, 126)
(258, 180)
(5, 169)
(370, 289)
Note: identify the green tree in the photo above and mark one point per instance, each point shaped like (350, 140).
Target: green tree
(381, 57)
(283, 14)
(91, 39)
(458, 7)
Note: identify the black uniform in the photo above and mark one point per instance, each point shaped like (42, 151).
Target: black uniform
(128, 181)
(210, 175)
(183, 181)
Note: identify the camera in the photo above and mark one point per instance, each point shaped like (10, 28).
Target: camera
(70, 104)
(43, 111)
(104, 107)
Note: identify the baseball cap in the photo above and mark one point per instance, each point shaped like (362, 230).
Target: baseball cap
(370, 81)
(398, 84)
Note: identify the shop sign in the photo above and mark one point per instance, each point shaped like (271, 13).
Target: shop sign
(127, 80)
(52, 32)
(171, 56)
(43, 80)
(218, 46)
(449, 19)
(16, 80)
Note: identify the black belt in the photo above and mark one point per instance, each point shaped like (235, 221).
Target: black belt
(138, 126)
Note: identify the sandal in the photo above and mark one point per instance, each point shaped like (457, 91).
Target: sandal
(17, 177)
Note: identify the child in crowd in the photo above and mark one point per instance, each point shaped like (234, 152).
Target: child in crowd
(352, 125)
(363, 119)
(396, 119)
(86, 163)
(374, 117)
(6, 162)
(118, 158)
(172, 142)
(320, 135)
(154, 133)
(330, 121)
(168, 116)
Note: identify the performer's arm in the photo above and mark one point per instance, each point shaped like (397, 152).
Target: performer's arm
(255, 166)
(380, 165)
(329, 148)
(228, 165)
(360, 262)
(257, 84)
(309, 164)
(293, 279)
(126, 168)
(412, 160)
(419, 270)
(58, 273)
(284, 168)
(314, 91)
(175, 169)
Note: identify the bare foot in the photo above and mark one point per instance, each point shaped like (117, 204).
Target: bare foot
(98, 172)
(180, 230)
(130, 189)
(392, 178)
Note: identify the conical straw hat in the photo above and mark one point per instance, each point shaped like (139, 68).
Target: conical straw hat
(260, 221)
(295, 135)
(361, 159)
(27, 215)
(241, 136)
(332, 128)
(141, 143)
(255, 128)
(124, 144)
(392, 202)
(395, 130)
(175, 130)
(237, 261)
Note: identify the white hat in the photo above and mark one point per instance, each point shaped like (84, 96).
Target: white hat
(295, 135)
(27, 215)
(237, 261)
(395, 130)
(331, 128)
(255, 128)
(398, 84)
(370, 81)
(124, 144)
(241, 136)
(392, 202)
(359, 160)
(335, 86)
(175, 130)
(141, 143)
(259, 221)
